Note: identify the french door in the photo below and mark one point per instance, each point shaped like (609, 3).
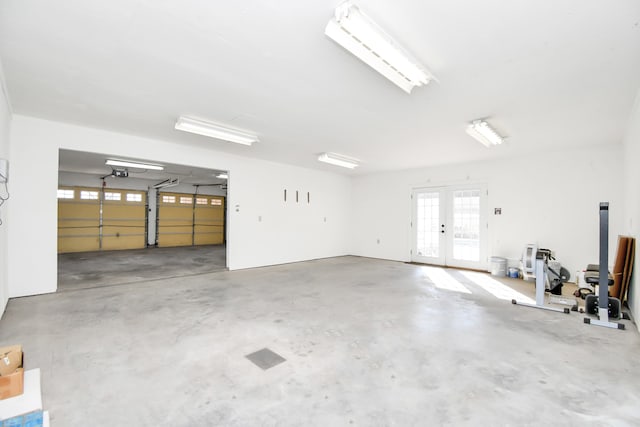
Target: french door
(449, 226)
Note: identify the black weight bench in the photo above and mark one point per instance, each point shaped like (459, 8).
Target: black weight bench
(592, 277)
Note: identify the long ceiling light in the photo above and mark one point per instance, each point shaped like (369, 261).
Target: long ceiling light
(358, 34)
(213, 130)
(483, 132)
(338, 160)
(222, 176)
(126, 164)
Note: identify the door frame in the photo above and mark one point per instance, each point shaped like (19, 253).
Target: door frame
(447, 189)
(441, 259)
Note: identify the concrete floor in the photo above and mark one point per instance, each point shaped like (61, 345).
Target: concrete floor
(366, 342)
(95, 269)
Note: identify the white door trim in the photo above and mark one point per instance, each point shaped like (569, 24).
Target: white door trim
(446, 258)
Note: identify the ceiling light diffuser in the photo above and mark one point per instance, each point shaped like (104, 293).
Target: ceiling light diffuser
(483, 132)
(358, 34)
(126, 164)
(338, 160)
(213, 130)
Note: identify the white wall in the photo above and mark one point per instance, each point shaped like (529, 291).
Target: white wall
(287, 232)
(632, 200)
(551, 199)
(5, 124)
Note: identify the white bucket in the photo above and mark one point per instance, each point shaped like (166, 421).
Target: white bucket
(498, 266)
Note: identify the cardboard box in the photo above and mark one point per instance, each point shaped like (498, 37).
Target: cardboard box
(10, 359)
(30, 400)
(12, 385)
(11, 372)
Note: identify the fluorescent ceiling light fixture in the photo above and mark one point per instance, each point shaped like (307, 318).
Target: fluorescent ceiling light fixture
(126, 164)
(483, 132)
(213, 130)
(338, 160)
(222, 176)
(358, 34)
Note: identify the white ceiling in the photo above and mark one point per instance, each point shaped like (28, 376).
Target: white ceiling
(94, 164)
(549, 74)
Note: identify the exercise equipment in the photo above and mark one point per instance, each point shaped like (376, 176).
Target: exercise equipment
(602, 305)
(529, 261)
(555, 274)
(590, 279)
(541, 272)
(621, 274)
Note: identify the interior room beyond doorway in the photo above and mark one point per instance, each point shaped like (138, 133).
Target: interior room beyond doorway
(124, 220)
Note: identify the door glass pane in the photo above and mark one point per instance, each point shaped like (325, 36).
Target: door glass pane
(427, 227)
(466, 225)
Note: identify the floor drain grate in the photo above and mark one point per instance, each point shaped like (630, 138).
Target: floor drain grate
(265, 358)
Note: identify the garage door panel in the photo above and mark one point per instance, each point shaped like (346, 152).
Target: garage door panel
(123, 241)
(124, 220)
(209, 235)
(123, 212)
(68, 210)
(69, 244)
(175, 220)
(215, 214)
(169, 237)
(64, 223)
(119, 235)
(78, 231)
(175, 227)
(176, 213)
(197, 221)
(78, 220)
(209, 221)
(124, 227)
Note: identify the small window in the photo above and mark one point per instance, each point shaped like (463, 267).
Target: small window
(89, 195)
(216, 202)
(168, 199)
(186, 200)
(65, 194)
(201, 201)
(134, 197)
(112, 196)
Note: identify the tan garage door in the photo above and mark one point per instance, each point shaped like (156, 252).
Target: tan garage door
(175, 219)
(187, 219)
(78, 219)
(208, 226)
(124, 219)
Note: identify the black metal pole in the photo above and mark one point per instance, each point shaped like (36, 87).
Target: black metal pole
(603, 276)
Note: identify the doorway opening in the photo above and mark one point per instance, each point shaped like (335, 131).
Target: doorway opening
(449, 226)
(114, 228)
